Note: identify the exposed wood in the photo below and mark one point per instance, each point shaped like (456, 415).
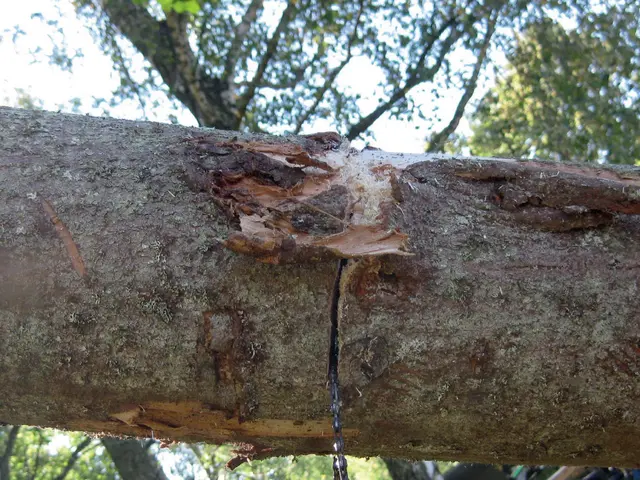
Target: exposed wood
(504, 330)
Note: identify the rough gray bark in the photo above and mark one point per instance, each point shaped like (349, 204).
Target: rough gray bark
(132, 461)
(510, 334)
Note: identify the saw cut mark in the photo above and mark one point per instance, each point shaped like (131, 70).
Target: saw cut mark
(339, 461)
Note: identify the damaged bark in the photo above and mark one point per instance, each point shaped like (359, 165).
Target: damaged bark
(175, 282)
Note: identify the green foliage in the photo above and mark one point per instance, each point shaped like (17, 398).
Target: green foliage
(213, 458)
(44, 453)
(407, 44)
(569, 94)
(178, 6)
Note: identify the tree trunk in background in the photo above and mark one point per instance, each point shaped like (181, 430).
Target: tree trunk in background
(5, 466)
(475, 471)
(132, 461)
(178, 282)
(404, 470)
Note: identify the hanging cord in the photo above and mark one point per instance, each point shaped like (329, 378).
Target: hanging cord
(339, 460)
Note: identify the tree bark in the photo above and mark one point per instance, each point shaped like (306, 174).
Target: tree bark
(175, 282)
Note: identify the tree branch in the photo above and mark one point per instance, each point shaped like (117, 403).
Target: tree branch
(132, 460)
(165, 45)
(513, 266)
(240, 33)
(119, 60)
(186, 65)
(298, 74)
(8, 451)
(439, 139)
(272, 46)
(405, 470)
(211, 473)
(147, 35)
(333, 75)
(416, 76)
(75, 455)
(36, 462)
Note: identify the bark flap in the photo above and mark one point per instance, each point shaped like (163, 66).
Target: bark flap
(292, 202)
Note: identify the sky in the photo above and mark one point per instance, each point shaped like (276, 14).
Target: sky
(26, 70)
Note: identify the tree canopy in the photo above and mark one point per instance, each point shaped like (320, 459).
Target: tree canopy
(568, 94)
(281, 66)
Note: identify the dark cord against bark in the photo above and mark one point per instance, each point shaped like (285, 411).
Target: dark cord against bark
(339, 460)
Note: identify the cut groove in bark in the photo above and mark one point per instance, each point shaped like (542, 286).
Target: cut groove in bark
(65, 236)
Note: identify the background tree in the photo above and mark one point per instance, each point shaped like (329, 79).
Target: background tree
(277, 65)
(28, 453)
(569, 93)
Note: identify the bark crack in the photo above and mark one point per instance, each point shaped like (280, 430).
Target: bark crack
(339, 460)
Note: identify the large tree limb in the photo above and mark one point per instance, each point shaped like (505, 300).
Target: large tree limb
(162, 280)
(165, 45)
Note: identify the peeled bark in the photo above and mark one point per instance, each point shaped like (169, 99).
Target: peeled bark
(162, 280)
